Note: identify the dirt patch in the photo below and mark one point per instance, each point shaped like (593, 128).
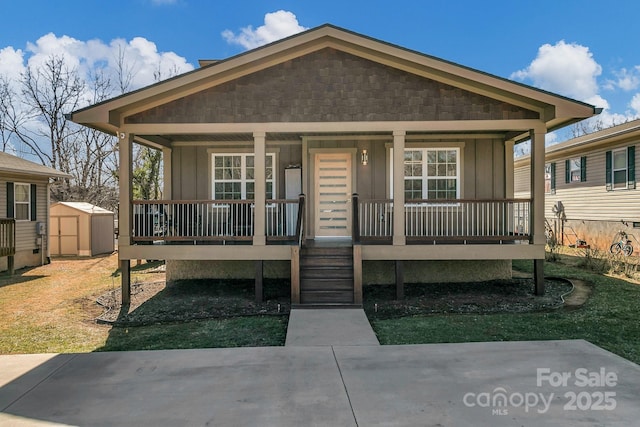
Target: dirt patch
(496, 296)
(579, 295)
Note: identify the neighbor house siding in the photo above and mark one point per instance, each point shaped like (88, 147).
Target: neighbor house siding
(588, 200)
(27, 253)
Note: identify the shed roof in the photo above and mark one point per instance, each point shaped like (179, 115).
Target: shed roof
(85, 207)
(16, 165)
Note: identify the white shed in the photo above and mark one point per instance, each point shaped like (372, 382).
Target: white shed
(81, 229)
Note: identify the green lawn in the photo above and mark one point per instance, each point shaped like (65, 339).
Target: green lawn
(609, 319)
(252, 331)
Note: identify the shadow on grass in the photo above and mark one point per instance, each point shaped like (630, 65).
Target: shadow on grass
(148, 266)
(17, 277)
(202, 314)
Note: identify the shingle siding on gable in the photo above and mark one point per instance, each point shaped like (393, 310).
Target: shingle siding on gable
(330, 85)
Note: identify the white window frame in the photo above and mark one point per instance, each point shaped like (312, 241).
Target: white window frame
(16, 202)
(625, 169)
(243, 174)
(426, 178)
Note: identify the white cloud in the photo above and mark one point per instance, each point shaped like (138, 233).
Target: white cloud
(141, 57)
(277, 25)
(11, 63)
(628, 79)
(163, 2)
(565, 68)
(635, 103)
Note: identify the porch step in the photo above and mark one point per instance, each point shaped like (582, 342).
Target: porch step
(326, 276)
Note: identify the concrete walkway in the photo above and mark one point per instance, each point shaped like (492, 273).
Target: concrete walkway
(340, 326)
(471, 384)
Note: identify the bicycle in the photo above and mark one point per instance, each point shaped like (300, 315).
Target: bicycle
(623, 245)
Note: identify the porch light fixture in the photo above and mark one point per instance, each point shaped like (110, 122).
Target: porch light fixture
(365, 158)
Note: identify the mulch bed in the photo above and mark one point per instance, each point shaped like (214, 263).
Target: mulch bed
(186, 300)
(496, 296)
(155, 302)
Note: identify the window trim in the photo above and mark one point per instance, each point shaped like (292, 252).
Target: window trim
(16, 202)
(243, 171)
(441, 145)
(625, 168)
(431, 147)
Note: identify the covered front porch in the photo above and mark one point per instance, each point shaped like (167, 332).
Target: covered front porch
(404, 156)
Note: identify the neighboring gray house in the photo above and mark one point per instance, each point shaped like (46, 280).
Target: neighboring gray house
(24, 212)
(405, 162)
(590, 186)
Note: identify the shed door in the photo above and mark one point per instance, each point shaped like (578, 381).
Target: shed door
(64, 235)
(333, 195)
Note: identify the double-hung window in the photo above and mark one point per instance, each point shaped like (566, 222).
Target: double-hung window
(22, 201)
(620, 168)
(550, 178)
(234, 179)
(432, 173)
(576, 169)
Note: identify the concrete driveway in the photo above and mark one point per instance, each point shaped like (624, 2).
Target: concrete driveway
(473, 384)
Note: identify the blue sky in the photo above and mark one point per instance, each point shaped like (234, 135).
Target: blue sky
(585, 49)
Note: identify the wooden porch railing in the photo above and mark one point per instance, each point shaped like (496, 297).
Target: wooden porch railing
(211, 220)
(446, 220)
(7, 237)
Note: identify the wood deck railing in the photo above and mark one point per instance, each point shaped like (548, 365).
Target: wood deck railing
(7, 237)
(446, 220)
(211, 220)
(426, 221)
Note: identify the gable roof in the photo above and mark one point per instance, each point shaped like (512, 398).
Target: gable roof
(85, 207)
(16, 165)
(555, 110)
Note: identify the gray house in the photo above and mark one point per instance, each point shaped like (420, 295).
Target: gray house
(24, 212)
(404, 163)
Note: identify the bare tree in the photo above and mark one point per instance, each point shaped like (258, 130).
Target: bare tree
(596, 124)
(50, 91)
(14, 124)
(94, 156)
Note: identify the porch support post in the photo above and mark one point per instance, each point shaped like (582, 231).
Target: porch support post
(259, 142)
(399, 280)
(125, 272)
(538, 276)
(537, 208)
(259, 281)
(537, 187)
(509, 169)
(399, 237)
(166, 173)
(125, 211)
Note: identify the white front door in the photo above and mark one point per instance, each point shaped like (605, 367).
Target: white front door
(333, 195)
